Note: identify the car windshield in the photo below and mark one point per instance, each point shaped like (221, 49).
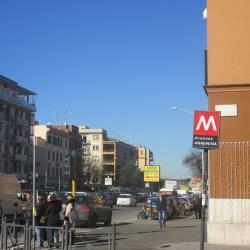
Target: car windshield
(124, 196)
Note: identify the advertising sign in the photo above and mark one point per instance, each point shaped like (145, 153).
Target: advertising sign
(151, 173)
(206, 129)
(108, 181)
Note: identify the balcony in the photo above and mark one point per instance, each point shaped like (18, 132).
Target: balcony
(3, 136)
(22, 121)
(18, 157)
(19, 101)
(19, 139)
(108, 162)
(2, 116)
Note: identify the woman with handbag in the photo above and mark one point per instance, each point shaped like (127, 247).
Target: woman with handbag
(41, 208)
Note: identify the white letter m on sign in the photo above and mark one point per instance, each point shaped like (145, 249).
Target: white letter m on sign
(206, 125)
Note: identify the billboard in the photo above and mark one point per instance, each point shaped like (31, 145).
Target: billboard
(151, 173)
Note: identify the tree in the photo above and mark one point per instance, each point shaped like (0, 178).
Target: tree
(129, 176)
(92, 172)
(193, 161)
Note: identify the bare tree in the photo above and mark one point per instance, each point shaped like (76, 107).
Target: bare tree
(92, 172)
(193, 161)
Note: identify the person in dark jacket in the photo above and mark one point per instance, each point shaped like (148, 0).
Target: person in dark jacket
(53, 219)
(197, 207)
(162, 210)
(41, 208)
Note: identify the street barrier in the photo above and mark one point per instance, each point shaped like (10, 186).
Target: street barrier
(22, 237)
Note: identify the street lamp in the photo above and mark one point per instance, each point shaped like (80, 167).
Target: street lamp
(182, 110)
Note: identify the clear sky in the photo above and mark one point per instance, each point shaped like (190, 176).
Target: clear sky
(116, 64)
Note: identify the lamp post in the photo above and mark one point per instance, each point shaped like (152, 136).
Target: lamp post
(204, 183)
(182, 110)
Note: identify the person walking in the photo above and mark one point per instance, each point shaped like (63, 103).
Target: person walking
(70, 207)
(197, 207)
(53, 220)
(162, 210)
(40, 220)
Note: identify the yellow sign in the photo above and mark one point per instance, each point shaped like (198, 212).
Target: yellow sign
(151, 173)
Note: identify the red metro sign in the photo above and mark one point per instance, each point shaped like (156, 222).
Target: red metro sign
(206, 129)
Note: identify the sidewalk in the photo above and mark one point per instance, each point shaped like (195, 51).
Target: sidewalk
(196, 246)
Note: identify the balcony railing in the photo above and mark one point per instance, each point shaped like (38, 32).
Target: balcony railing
(18, 157)
(17, 101)
(22, 121)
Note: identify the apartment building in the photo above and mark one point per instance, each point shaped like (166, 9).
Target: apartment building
(145, 157)
(17, 110)
(117, 154)
(75, 148)
(92, 148)
(52, 167)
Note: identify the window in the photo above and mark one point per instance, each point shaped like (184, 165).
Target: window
(53, 156)
(60, 157)
(48, 155)
(95, 137)
(95, 147)
(49, 139)
(96, 158)
(86, 149)
(66, 144)
(84, 138)
(56, 156)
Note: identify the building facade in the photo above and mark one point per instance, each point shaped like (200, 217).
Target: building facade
(92, 152)
(145, 157)
(228, 89)
(55, 146)
(75, 148)
(116, 155)
(17, 110)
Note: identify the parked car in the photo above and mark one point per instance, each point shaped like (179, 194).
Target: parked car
(142, 197)
(126, 200)
(91, 209)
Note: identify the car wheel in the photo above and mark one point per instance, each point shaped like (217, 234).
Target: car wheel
(141, 215)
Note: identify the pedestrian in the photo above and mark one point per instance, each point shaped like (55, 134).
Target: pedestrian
(69, 213)
(197, 207)
(40, 220)
(53, 220)
(162, 210)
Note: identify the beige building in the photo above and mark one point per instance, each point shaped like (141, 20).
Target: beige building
(145, 157)
(16, 115)
(75, 148)
(92, 150)
(104, 153)
(54, 145)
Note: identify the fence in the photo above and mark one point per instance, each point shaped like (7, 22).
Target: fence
(16, 236)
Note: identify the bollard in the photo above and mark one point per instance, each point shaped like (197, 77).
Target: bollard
(109, 239)
(113, 237)
(26, 236)
(2, 232)
(66, 236)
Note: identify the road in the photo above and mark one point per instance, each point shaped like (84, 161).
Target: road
(121, 215)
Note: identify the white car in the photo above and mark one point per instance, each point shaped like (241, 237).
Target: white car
(126, 200)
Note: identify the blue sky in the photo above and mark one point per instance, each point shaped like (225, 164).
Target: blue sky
(115, 64)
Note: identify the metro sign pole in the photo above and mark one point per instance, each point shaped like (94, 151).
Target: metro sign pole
(206, 136)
